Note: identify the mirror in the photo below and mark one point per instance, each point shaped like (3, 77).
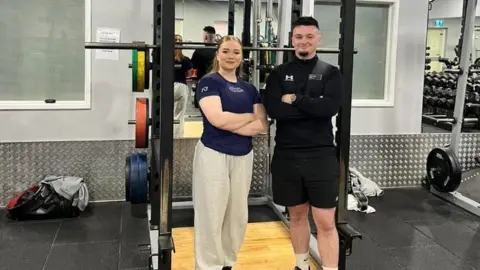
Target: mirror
(440, 81)
(204, 30)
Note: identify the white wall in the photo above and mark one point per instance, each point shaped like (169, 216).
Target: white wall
(448, 9)
(405, 116)
(112, 100)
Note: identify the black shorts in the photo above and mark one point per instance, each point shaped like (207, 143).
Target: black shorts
(314, 180)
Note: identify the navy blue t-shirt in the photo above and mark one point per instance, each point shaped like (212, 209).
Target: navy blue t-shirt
(236, 97)
(180, 74)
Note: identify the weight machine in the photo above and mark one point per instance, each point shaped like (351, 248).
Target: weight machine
(153, 184)
(444, 171)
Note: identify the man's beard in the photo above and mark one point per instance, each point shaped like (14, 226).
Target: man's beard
(303, 54)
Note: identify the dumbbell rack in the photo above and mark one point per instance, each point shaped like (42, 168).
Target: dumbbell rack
(439, 100)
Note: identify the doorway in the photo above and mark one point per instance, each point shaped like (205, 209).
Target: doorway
(436, 38)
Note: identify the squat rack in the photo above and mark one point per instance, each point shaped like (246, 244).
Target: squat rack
(161, 161)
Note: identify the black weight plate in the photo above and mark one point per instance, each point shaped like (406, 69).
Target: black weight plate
(443, 170)
(127, 179)
(138, 178)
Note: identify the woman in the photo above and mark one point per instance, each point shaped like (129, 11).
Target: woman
(180, 89)
(222, 168)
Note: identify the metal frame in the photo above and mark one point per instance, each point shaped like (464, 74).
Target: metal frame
(468, 21)
(231, 17)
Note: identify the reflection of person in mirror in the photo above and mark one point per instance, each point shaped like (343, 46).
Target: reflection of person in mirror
(202, 58)
(180, 89)
(223, 163)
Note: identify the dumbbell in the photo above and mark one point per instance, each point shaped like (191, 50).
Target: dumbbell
(450, 103)
(450, 93)
(425, 99)
(441, 103)
(470, 86)
(476, 87)
(473, 97)
(427, 90)
(439, 92)
(433, 101)
(428, 80)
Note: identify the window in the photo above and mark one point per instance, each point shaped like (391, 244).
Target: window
(373, 81)
(42, 54)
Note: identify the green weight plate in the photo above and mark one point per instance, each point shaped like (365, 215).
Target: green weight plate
(444, 171)
(134, 70)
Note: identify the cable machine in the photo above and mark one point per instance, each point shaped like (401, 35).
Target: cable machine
(158, 182)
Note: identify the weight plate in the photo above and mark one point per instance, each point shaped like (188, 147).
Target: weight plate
(443, 170)
(138, 178)
(142, 120)
(147, 70)
(134, 70)
(127, 179)
(140, 71)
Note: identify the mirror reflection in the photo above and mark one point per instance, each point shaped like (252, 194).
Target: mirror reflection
(443, 51)
(199, 39)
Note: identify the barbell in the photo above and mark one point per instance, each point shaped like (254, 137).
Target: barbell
(141, 65)
(141, 46)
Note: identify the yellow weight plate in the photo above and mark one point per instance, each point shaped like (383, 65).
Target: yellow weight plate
(140, 71)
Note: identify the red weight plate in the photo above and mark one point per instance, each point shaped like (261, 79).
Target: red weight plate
(141, 123)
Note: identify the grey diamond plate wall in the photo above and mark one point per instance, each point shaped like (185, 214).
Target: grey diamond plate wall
(100, 163)
(399, 160)
(389, 160)
(182, 166)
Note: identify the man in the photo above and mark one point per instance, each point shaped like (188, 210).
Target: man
(302, 96)
(202, 58)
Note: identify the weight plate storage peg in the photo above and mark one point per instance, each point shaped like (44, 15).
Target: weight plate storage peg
(138, 178)
(443, 170)
(142, 122)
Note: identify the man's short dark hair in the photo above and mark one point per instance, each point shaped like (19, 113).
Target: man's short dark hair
(305, 21)
(209, 29)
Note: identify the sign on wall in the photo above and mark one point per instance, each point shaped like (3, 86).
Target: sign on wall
(438, 23)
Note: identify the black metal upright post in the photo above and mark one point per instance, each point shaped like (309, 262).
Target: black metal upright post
(345, 62)
(246, 35)
(155, 121)
(296, 13)
(165, 142)
(231, 17)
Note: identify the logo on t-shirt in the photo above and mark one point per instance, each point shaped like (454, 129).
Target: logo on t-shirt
(204, 89)
(289, 78)
(235, 89)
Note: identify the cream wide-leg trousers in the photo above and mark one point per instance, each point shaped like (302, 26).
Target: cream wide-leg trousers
(221, 184)
(180, 98)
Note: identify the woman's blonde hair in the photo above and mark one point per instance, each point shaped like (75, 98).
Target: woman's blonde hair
(215, 66)
(178, 52)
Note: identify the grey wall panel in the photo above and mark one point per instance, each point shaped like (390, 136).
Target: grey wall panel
(389, 160)
(184, 150)
(101, 164)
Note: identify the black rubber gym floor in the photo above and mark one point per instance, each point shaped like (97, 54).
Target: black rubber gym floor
(411, 229)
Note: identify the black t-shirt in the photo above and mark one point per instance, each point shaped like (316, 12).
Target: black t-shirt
(181, 74)
(304, 128)
(202, 60)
